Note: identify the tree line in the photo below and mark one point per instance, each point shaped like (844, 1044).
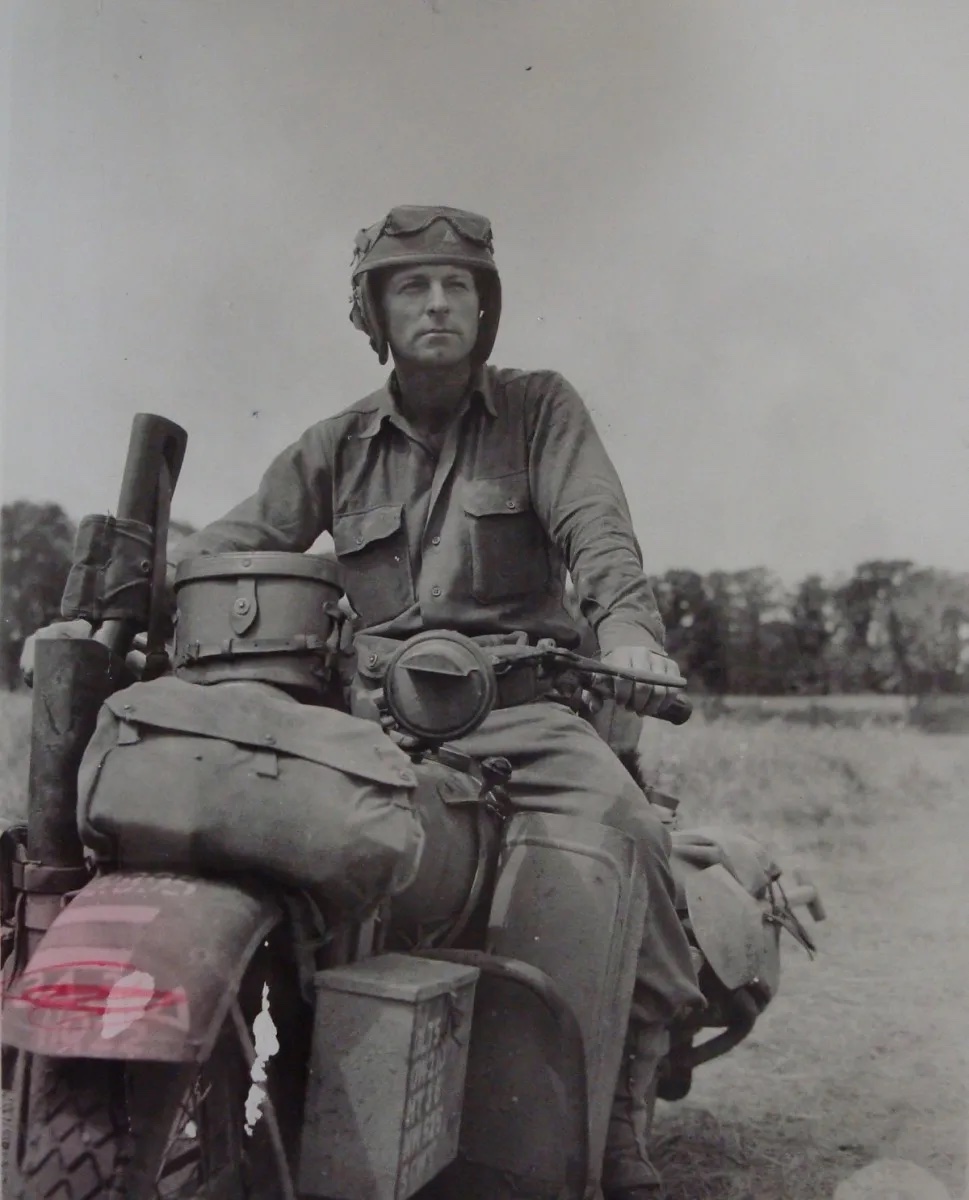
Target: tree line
(37, 545)
(889, 626)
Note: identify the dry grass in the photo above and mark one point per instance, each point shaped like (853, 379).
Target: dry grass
(704, 1158)
(941, 714)
(14, 745)
(804, 788)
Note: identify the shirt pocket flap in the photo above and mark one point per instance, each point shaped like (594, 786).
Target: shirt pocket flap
(354, 531)
(497, 497)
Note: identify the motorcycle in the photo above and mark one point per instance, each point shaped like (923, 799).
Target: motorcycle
(257, 946)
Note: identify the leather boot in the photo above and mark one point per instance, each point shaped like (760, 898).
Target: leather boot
(627, 1173)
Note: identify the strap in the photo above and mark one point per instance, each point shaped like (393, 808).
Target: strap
(156, 659)
(521, 686)
(302, 643)
(40, 880)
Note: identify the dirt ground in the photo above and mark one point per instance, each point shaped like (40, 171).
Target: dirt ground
(864, 1053)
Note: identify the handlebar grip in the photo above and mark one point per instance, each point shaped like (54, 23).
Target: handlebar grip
(677, 710)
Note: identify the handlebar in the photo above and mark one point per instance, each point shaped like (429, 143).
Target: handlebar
(675, 709)
(597, 677)
(595, 667)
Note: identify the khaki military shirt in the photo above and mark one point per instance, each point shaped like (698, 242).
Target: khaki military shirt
(476, 535)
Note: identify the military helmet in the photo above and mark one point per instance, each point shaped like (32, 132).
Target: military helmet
(415, 233)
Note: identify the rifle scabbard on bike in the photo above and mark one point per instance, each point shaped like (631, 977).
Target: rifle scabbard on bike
(256, 947)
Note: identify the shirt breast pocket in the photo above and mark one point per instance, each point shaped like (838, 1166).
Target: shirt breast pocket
(509, 547)
(372, 549)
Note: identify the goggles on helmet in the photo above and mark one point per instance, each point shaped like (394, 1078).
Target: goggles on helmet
(415, 218)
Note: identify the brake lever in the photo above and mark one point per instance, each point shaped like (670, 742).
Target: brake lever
(593, 666)
(594, 678)
(676, 709)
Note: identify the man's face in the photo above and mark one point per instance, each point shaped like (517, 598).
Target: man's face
(431, 314)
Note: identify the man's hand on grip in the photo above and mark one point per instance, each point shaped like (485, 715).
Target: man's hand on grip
(78, 629)
(56, 631)
(641, 698)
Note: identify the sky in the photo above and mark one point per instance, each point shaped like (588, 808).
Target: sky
(739, 228)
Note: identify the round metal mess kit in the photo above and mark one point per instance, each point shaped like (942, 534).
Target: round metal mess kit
(270, 616)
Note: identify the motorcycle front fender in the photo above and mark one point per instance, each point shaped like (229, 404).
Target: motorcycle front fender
(139, 965)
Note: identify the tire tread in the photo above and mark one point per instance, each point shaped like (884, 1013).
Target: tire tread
(77, 1141)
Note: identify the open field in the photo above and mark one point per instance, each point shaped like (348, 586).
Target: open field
(863, 1055)
(14, 737)
(850, 707)
(931, 713)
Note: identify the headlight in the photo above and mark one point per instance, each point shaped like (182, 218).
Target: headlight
(439, 685)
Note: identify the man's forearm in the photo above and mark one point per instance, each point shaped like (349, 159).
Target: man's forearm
(289, 511)
(643, 629)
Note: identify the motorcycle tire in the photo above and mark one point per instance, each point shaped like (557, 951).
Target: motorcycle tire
(97, 1129)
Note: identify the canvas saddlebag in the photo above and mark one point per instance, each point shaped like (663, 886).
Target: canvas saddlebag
(240, 777)
(724, 886)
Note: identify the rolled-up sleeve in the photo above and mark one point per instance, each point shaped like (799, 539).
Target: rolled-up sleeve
(292, 506)
(581, 502)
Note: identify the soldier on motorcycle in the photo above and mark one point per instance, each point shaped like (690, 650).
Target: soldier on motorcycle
(458, 496)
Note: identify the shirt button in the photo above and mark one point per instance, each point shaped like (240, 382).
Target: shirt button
(435, 590)
(435, 541)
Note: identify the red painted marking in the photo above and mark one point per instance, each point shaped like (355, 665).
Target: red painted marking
(89, 999)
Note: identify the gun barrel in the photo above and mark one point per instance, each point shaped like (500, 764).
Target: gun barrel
(156, 450)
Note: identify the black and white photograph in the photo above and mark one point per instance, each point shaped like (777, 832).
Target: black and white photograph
(484, 683)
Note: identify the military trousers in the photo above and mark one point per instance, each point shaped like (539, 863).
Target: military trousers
(561, 765)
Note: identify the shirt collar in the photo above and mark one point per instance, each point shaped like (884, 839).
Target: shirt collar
(384, 409)
(482, 385)
(386, 400)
